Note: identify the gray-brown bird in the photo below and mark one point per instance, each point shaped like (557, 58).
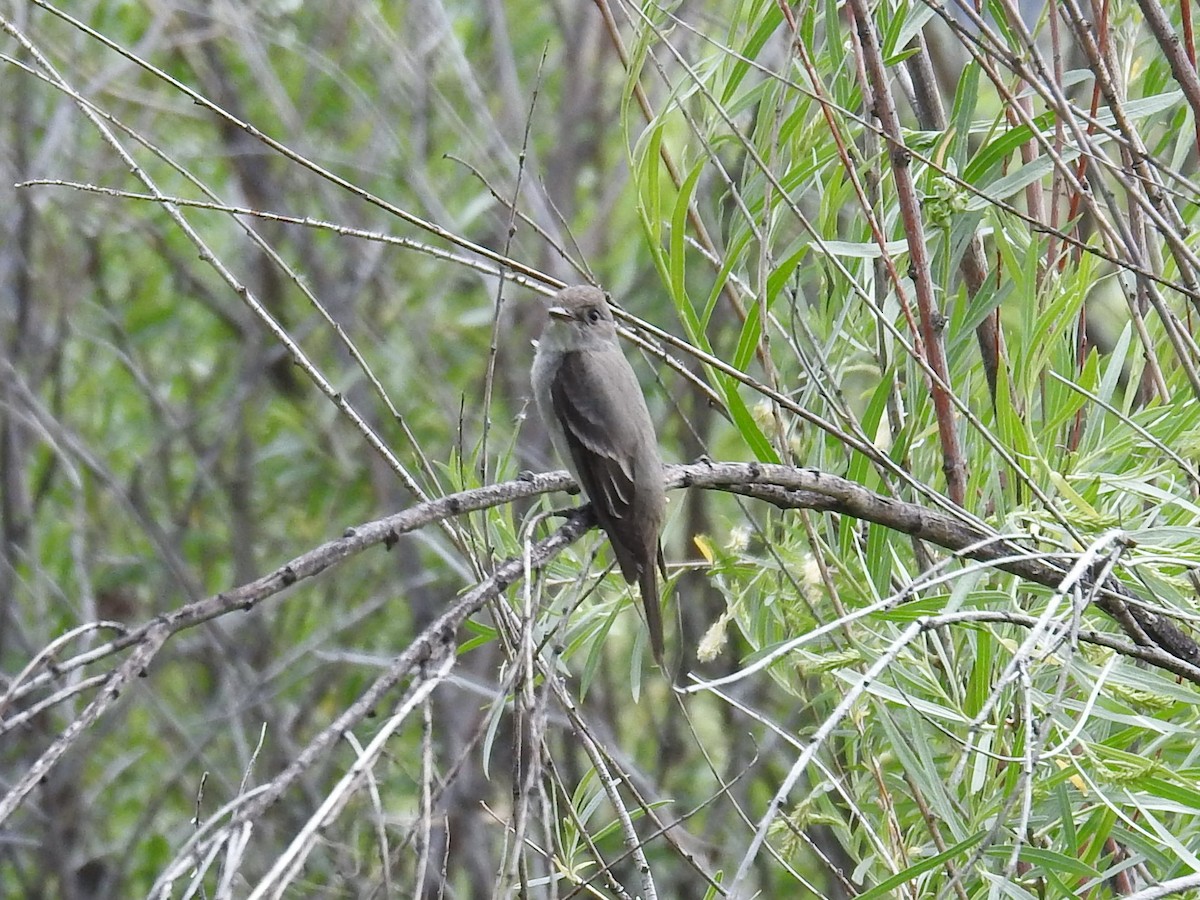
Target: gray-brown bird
(593, 406)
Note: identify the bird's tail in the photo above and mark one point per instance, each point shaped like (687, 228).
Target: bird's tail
(648, 585)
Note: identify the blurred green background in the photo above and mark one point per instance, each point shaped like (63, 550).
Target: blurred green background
(712, 166)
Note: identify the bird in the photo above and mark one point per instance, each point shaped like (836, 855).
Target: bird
(594, 409)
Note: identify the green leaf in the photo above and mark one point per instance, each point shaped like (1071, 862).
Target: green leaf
(879, 557)
(749, 50)
(679, 226)
(884, 888)
(966, 98)
(861, 468)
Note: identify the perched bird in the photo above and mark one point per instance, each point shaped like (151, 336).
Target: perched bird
(594, 409)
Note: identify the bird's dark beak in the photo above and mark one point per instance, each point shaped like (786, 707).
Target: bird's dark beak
(559, 312)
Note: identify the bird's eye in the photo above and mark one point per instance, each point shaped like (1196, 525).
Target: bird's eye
(593, 316)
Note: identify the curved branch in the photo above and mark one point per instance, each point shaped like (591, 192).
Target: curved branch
(787, 487)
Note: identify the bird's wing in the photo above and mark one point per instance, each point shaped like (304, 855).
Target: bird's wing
(603, 447)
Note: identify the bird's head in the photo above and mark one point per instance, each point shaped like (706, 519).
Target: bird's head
(579, 319)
